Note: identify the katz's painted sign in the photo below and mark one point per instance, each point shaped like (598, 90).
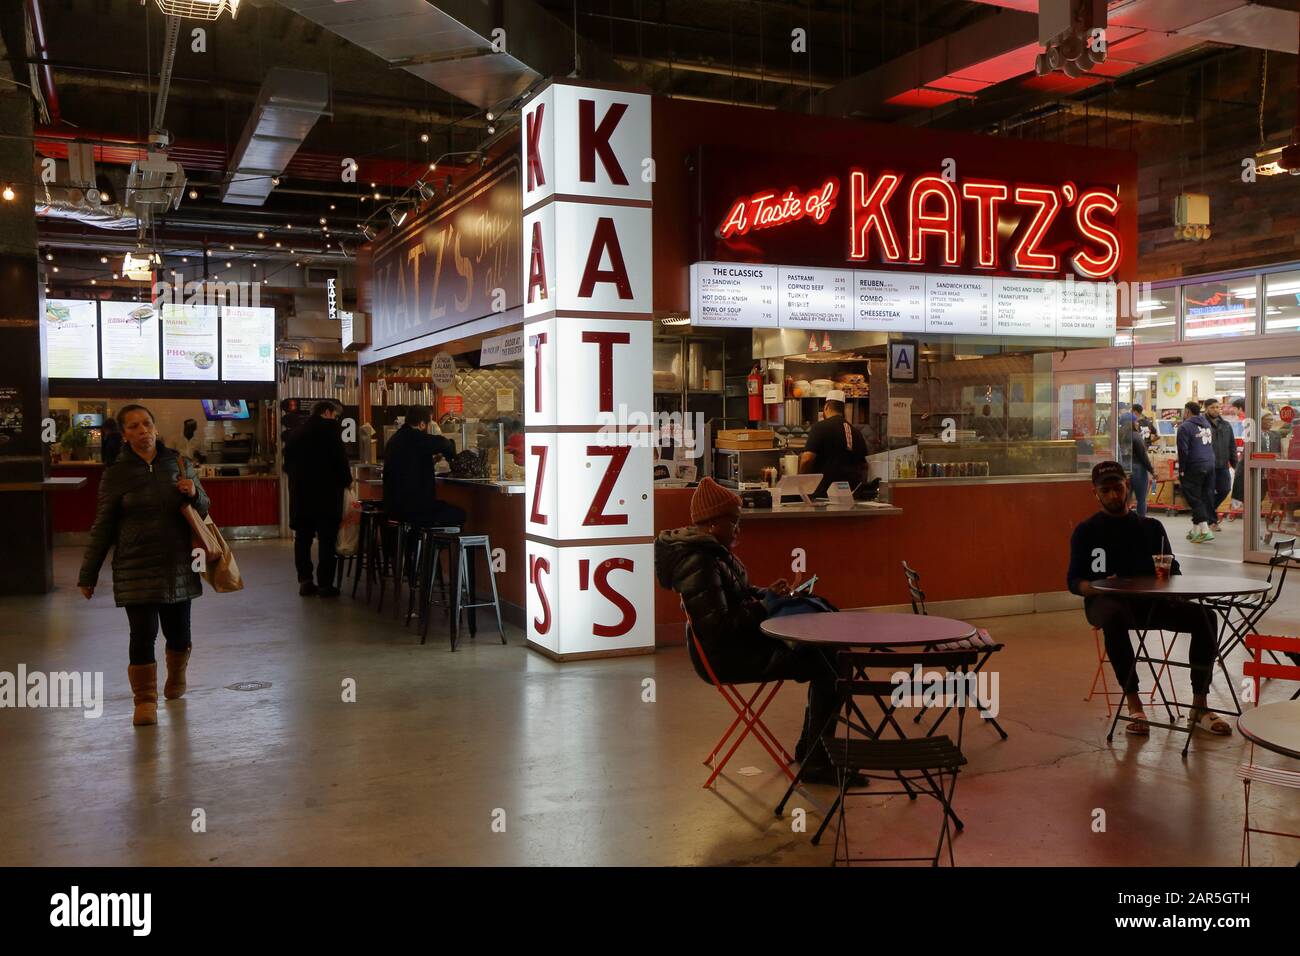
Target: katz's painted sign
(452, 264)
(951, 215)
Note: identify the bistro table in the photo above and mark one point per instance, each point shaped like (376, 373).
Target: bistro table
(1228, 595)
(864, 630)
(1274, 727)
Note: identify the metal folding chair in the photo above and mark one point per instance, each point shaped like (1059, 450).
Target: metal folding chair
(919, 765)
(1256, 668)
(746, 713)
(1250, 613)
(982, 643)
(1099, 676)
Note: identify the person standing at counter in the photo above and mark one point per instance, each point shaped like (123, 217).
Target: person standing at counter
(835, 449)
(697, 562)
(191, 446)
(1196, 471)
(410, 492)
(138, 515)
(317, 465)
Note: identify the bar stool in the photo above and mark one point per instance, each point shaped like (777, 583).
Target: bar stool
(400, 538)
(464, 586)
(432, 543)
(367, 553)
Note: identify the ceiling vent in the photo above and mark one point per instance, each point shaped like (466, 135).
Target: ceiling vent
(286, 109)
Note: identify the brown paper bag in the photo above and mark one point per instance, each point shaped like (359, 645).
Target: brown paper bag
(222, 572)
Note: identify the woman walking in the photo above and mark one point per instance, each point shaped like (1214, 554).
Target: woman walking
(139, 516)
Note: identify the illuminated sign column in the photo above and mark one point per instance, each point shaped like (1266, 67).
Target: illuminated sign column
(589, 506)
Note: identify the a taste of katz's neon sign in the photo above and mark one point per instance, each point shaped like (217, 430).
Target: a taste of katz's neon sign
(942, 212)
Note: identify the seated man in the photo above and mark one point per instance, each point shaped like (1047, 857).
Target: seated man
(410, 493)
(725, 612)
(1115, 542)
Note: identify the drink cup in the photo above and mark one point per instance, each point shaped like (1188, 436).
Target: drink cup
(1164, 563)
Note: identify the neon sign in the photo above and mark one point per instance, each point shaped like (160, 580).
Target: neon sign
(766, 209)
(936, 211)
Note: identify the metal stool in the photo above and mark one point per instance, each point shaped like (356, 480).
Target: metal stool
(464, 585)
(430, 543)
(368, 552)
(399, 537)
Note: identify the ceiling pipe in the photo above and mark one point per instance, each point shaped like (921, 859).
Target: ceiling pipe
(42, 51)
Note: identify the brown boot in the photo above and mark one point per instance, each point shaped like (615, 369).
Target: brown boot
(177, 661)
(144, 684)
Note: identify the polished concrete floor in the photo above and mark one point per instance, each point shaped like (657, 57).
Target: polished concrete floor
(577, 766)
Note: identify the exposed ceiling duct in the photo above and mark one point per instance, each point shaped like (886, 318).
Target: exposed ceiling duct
(483, 53)
(69, 204)
(287, 107)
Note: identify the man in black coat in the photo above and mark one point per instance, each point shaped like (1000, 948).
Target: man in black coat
(317, 465)
(725, 613)
(410, 493)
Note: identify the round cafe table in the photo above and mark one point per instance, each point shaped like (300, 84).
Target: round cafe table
(1225, 594)
(865, 629)
(1274, 727)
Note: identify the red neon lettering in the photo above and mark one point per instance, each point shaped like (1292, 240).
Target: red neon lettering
(868, 211)
(536, 566)
(537, 265)
(536, 174)
(617, 458)
(606, 341)
(540, 452)
(537, 341)
(1027, 255)
(927, 223)
(766, 209)
(605, 237)
(607, 590)
(1084, 261)
(987, 195)
(593, 141)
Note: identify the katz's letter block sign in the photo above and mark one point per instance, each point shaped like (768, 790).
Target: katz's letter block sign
(589, 507)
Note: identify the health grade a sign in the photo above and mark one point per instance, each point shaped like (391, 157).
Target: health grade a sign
(589, 503)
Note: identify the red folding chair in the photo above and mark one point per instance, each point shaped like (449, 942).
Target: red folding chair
(1256, 667)
(746, 713)
(1282, 489)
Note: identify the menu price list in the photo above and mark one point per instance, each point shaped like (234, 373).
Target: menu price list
(189, 342)
(72, 338)
(128, 340)
(247, 344)
(741, 295)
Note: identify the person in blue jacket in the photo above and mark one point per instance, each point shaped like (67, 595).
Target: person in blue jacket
(1196, 467)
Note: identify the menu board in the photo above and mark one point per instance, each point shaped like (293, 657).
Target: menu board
(739, 295)
(72, 338)
(734, 294)
(889, 302)
(247, 344)
(1024, 306)
(128, 340)
(815, 298)
(189, 342)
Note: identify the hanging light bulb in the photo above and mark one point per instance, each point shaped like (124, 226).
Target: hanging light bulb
(261, 235)
(103, 260)
(424, 137)
(491, 116)
(8, 193)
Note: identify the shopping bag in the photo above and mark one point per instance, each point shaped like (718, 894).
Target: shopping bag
(203, 534)
(222, 572)
(350, 529)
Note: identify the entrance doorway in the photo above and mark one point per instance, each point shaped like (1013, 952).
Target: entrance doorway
(1272, 482)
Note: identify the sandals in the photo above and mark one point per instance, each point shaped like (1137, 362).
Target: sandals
(1137, 725)
(1211, 723)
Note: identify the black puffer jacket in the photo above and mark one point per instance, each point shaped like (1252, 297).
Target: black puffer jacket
(317, 465)
(724, 610)
(139, 517)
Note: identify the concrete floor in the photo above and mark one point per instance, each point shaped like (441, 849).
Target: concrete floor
(584, 771)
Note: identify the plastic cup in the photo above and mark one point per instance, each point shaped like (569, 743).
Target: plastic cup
(1164, 563)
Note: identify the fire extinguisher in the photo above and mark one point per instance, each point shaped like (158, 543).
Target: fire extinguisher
(754, 385)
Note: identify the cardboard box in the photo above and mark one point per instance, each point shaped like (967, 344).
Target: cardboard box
(745, 438)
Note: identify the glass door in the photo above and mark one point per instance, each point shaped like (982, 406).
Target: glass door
(1272, 459)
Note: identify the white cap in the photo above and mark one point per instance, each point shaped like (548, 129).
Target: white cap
(835, 395)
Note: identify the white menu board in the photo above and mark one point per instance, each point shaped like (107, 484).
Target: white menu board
(1024, 306)
(1087, 309)
(815, 298)
(962, 305)
(247, 344)
(189, 342)
(128, 340)
(889, 302)
(72, 338)
(733, 294)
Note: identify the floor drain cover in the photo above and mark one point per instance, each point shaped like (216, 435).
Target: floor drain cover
(249, 685)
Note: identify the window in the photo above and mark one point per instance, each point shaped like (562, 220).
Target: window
(1154, 318)
(1223, 308)
(1282, 302)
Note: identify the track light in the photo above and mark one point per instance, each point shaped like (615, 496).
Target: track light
(397, 215)
(368, 233)
(427, 192)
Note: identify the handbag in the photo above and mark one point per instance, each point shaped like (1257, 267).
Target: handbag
(220, 569)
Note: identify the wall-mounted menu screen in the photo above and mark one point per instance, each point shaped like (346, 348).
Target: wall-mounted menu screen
(189, 342)
(72, 338)
(128, 340)
(739, 295)
(247, 344)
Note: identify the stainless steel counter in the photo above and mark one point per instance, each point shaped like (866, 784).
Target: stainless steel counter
(862, 509)
(502, 487)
